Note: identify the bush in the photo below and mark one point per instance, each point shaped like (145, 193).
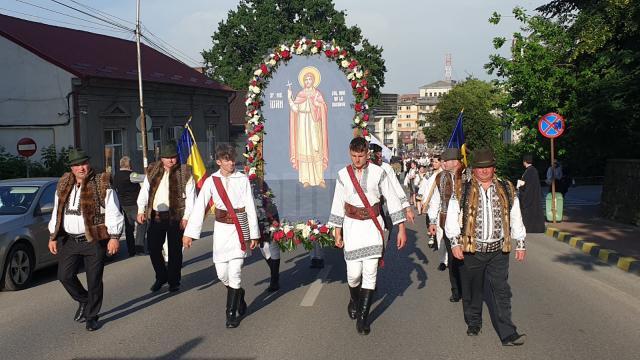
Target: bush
(53, 164)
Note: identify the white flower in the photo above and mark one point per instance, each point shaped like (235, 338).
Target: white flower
(254, 89)
(299, 51)
(304, 47)
(351, 76)
(247, 102)
(300, 226)
(316, 231)
(257, 72)
(314, 50)
(272, 62)
(255, 139)
(356, 120)
(252, 170)
(359, 74)
(287, 228)
(344, 63)
(306, 231)
(283, 47)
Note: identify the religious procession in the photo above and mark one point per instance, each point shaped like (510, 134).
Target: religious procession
(294, 193)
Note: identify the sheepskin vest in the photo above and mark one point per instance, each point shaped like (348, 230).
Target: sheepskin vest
(179, 175)
(469, 206)
(92, 195)
(446, 188)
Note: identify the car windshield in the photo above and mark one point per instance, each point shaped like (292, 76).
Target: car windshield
(16, 200)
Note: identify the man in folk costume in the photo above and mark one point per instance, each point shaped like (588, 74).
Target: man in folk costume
(85, 227)
(426, 191)
(376, 158)
(448, 185)
(356, 209)
(165, 200)
(481, 226)
(235, 226)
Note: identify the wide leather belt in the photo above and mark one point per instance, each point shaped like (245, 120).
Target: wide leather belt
(223, 216)
(486, 247)
(160, 215)
(360, 213)
(77, 238)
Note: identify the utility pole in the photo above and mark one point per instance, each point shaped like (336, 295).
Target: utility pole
(143, 122)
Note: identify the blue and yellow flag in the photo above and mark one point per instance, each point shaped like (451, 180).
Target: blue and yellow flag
(457, 138)
(189, 154)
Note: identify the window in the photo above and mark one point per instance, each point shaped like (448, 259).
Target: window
(48, 196)
(174, 133)
(114, 148)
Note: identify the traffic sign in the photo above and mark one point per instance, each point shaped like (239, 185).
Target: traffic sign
(26, 147)
(551, 125)
(148, 123)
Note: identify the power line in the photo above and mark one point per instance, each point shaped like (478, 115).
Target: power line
(161, 49)
(65, 22)
(93, 16)
(60, 13)
(103, 13)
(172, 47)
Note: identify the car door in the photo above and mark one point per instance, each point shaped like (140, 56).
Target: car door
(39, 225)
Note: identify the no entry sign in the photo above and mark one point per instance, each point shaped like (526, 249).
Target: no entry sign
(551, 125)
(26, 147)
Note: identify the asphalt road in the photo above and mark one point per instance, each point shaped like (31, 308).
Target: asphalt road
(569, 305)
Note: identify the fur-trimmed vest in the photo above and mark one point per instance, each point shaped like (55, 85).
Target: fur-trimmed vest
(446, 189)
(178, 178)
(92, 195)
(469, 206)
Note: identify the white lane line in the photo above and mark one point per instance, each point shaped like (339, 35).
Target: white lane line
(314, 290)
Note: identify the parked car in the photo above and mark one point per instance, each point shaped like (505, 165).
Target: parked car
(25, 210)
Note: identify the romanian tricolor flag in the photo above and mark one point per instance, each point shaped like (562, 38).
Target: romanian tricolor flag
(457, 138)
(190, 155)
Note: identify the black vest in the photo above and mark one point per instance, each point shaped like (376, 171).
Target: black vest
(127, 191)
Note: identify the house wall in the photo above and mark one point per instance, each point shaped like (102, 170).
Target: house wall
(35, 100)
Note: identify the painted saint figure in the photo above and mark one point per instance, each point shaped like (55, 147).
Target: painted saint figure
(308, 142)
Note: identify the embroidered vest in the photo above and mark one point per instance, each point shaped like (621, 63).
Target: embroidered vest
(179, 175)
(92, 194)
(469, 204)
(446, 190)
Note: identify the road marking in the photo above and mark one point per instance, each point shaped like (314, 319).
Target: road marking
(314, 290)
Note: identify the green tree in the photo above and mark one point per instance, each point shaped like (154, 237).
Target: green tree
(579, 58)
(257, 26)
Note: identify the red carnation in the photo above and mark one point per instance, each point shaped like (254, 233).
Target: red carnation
(365, 132)
(275, 224)
(258, 128)
(366, 95)
(256, 104)
(363, 82)
(353, 64)
(358, 107)
(308, 42)
(250, 159)
(278, 235)
(246, 169)
(360, 90)
(319, 44)
(250, 145)
(252, 177)
(328, 53)
(324, 229)
(290, 234)
(344, 53)
(354, 84)
(285, 54)
(264, 69)
(335, 52)
(312, 238)
(297, 241)
(276, 57)
(253, 83)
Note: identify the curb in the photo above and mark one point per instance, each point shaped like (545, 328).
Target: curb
(625, 263)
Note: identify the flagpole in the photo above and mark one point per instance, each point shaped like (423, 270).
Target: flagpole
(143, 120)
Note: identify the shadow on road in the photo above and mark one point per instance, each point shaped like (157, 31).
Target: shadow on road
(586, 262)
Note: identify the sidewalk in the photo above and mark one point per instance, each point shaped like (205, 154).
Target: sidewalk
(582, 221)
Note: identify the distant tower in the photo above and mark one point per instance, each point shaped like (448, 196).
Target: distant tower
(447, 67)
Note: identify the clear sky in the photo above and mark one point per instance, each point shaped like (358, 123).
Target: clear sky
(415, 34)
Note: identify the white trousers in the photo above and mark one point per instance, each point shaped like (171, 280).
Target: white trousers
(270, 250)
(229, 272)
(442, 249)
(362, 272)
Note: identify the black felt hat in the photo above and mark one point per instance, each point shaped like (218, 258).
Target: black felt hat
(483, 158)
(451, 154)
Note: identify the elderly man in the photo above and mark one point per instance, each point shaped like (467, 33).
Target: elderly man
(483, 242)
(166, 200)
(85, 227)
(128, 193)
(448, 186)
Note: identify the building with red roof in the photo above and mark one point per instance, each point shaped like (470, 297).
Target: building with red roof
(68, 87)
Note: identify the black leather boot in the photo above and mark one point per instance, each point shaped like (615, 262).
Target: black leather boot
(233, 297)
(362, 323)
(274, 283)
(354, 302)
(242, 305)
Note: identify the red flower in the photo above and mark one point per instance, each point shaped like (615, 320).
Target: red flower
(252, 177)
(250, 145)
(312, 237)
(344, 53)
(297, 241)
(246, 169)
(365, 117)
(276, 57)
(319, 44)
(335, 52)
(256, 104)
(358, 107)
(366, 95)
(360, 90)
(250, 159)
(353, 64)
(354, 84)
(258, 128)
(264, 69)
(297, 43)
(290, 234)
(278, 235)
(324, 229)
(285, 54)
(275, 224)
(363, 82)
(365, 132)
(328, 53)
(308, 42)
(253, 83)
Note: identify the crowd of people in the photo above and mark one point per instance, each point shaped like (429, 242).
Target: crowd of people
(474, 219)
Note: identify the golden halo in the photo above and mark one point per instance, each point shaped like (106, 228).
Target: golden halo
(309, 69)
